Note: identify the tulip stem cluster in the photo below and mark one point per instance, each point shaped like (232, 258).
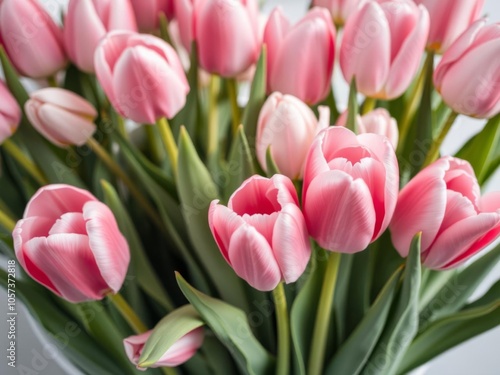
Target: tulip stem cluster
(127, 313)
(433, 153)
(282, 321)
(232, 90)
(25, 162)
(169, 142)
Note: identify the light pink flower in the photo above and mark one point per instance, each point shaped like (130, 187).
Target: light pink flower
(340, 9)
(10, 113)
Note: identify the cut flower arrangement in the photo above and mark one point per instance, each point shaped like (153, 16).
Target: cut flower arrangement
(181, 226)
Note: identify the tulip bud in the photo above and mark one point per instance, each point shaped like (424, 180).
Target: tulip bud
(340, 9)
(449, 19)
(261, 233)
(382, 46)
(468, 75)
(96, 18)
(61, 116)
(31, 38)
(300, 58)
(378, 121)
(288, 126)
(181, 351)
(350, 188)
(444, 202)
(141, 75)
(10, 113)
(70, 243)
(147, 13)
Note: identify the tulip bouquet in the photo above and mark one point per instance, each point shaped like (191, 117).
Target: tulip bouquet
(181, 193)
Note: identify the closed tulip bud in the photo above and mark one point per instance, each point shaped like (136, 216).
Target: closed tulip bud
(70, 243)
(147, 13)
(181, 351)
(468, 75)
(449, 19)
(382, 46)
(31, 38)
(340, 9)
(444, 202)
(378, 121)
(96, 17)
(350, 189)
(288, 126)
(61, 116)
(262, 233)
(10, 113)
(300, 58)
(141, 75)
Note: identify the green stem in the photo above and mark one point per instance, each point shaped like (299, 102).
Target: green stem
(282, 320)
(127, 313)
(6, 221)
(169, 142)
(368, 105)
(232, 89)
(213, 120)
(24, 161)
(436, 145)
(154, 147)
(320, 333)
(121, 126)
(52, 81)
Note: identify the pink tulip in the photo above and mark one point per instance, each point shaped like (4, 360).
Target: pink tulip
(147, 12)
(10, 113)
(96, 17)
(350, 189)
(378, 121)
(300, 57)
(468, 75)
(176, 355)
(288, 126)
(444, 203)
(61, 116)
(382, 46)
(340, 9)
(31, 38)
(70, 243)
(449, 19)
(262, 233)
(141, 75)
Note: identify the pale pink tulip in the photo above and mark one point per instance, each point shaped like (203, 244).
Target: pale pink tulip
(444, 202)
(468, 75)
(350, 189)
(96, 17)
(288, 126)
(32, 39)
(262, 233)
(300, 58)
(449, 19)
(340, 9)
(61, 116)
(176, 355)
(70, 243)
(378, 121)
(382, 46)
(141, 75)
(147, 13)
(10, 113)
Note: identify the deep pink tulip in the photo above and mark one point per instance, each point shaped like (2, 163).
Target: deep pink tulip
(61, 116)
(300, 58)
(176, 355)
(70, 243)
(262, 233)
(468, 75)
(444, 203)
(141, 75)
(32, 39)
(10, 113)
(449, 19)
(288, 126)
(96, 17)
(147, 13)
(340, 9)
(382, 46)
(350, 189)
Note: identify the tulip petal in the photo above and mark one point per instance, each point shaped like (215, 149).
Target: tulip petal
(263, 223)
(71, 222)
(257, 195)
(277, 28)
(490, 202)
(65, 99)
(182, 350)
(458, 208)
(223, 223)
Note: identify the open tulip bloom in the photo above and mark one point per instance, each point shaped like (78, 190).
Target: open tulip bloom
(161, 213)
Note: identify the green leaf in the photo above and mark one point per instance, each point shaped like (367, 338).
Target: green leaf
(341, 297)
(231, 327)
(353, 108)
(167, 332)
(354, 353)
(402, 323)
(271, 166)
